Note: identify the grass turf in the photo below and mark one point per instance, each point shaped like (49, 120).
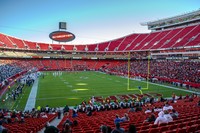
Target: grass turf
(72, 88)
(19, 103)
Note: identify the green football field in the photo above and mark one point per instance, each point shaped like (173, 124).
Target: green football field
(72, 88)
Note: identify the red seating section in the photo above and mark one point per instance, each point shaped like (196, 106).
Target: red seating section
(31, 125)
(19, 43)
(31, 45)
(170, 71)
(43, 46)
(188, 121)
(166, 39)
(6, 41)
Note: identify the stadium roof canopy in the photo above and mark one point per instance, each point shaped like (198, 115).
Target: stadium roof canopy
(178, 20)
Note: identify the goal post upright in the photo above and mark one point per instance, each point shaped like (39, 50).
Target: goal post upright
(147, 74)
(148, 70)
(128, 83)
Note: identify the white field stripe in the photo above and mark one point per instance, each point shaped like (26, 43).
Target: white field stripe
(32, 96)
(170, 87)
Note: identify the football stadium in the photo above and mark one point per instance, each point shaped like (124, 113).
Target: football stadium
(146, 82)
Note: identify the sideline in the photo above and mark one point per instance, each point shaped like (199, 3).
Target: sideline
(32, 96)
(175, 88)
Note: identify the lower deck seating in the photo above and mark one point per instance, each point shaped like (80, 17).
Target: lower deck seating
(31, 125)
(188, 120)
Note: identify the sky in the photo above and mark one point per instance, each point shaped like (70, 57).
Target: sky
(92, 21)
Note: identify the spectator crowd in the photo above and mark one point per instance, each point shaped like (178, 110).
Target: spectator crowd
(7, 71)
(178, 70)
